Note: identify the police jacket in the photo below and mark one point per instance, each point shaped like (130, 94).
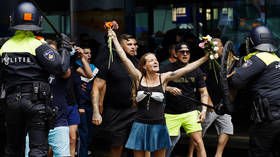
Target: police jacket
(260, 73)
(18, 60)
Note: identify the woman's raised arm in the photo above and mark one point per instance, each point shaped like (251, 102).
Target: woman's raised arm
(186, 69)
(133, 71)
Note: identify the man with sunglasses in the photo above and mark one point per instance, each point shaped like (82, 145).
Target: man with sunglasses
(179, 110)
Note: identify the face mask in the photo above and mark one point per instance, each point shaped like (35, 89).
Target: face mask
(73, 51)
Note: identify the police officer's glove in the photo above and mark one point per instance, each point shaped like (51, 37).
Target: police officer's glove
(240, 62)
(64, 42)
(51, 116)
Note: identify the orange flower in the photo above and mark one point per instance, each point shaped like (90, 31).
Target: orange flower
(108, 24)
(39, 37)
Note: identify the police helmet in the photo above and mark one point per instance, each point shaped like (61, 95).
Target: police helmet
(26, 17)
(260, 38)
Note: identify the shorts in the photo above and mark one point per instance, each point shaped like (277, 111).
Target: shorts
(222, 123)
(118, 123)
(148, 137)
(59, 141)
(73, 116)
(188, 120)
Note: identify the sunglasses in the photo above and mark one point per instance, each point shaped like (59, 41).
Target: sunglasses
(184, 51)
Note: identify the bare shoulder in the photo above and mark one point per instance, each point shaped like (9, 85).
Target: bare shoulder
(165, 76)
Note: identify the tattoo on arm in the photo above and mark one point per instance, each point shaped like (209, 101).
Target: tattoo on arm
(173, 74)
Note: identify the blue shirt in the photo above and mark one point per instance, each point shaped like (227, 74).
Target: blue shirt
(92, 67)
(58, 89)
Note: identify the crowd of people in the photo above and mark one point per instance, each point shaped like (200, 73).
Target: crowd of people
(55, 93)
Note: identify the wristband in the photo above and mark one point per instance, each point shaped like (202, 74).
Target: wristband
(205, 110)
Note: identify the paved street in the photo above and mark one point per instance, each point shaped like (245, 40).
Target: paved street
(237, 146)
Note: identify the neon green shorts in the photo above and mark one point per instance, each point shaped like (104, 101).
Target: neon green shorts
(188, 120)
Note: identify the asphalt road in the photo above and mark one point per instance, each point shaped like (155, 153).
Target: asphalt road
(237, 147)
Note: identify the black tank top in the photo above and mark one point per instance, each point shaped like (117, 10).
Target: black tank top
(150, 104)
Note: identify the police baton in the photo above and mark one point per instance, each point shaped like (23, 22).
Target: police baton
(64, 39)
(196, 101)
(45, 17)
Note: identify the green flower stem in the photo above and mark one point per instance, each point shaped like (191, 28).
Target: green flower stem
(215, 73)
(216, 62)
(212, 62)
(110, 51)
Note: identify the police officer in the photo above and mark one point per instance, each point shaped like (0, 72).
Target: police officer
(260, 73)
(26, 62)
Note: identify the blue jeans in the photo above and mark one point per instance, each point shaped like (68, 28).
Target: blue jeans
(86, 130)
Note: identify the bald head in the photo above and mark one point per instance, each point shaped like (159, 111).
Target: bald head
(219, 45)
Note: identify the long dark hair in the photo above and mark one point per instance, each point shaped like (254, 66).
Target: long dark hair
(141, 64)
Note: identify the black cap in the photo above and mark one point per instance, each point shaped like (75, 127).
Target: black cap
(179, 46)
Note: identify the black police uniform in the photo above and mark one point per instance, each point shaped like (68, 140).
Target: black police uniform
(25, 66)
(261, 73)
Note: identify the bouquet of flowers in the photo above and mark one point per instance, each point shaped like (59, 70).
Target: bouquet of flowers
(211, 46)
(110, 25)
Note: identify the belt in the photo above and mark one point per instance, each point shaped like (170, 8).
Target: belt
(25, 88)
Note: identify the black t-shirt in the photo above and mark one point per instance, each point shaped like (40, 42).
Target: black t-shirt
(213, 86)
(70, 91)
(188, 83)
(119, 83)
